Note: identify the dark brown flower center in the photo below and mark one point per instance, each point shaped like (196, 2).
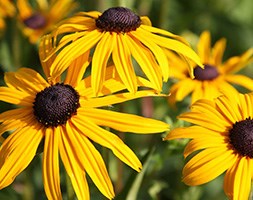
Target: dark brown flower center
(241, 137)
(206, 74)
(35, 21)
(56, 104)
(118, 19)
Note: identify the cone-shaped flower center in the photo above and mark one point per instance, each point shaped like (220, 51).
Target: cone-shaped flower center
(118, 19)
(35, 21)
(56, 104)
(208, 73)
(241, 137)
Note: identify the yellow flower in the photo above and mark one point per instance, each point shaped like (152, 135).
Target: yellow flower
(67, 117)
(215, 78)
(221, 140)
(118, 35)
(42, 19)
(7, 9)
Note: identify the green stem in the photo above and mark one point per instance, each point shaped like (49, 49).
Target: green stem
(70, 189)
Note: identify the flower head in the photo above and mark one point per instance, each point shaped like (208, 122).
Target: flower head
(214, 78)
(221, 141)
(118, 35)
(67, 117)
(42, 19)
(7, 9)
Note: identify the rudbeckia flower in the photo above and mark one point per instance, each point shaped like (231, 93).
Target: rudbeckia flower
(221, 141)
(7, 9)
(118, 35)
(41, 19)
(214, 78)
(68, 118)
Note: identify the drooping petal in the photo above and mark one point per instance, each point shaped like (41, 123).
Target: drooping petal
(51, 176)
(109, 140)
(45, 47)
(88, 158)
(100, 58)
(207, 165)
(76, 174)
(171, 44)
(17, 152)
(77, 69)
(146, 61)
(237, 181)
(123, 122)
(122, 59)
(155, 49)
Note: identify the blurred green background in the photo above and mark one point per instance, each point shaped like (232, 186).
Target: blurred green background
(163, 162)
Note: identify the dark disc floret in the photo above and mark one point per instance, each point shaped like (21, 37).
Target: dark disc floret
(241, 137)
(35, 21)
(208, 73)
(56, 104)
(118, 19)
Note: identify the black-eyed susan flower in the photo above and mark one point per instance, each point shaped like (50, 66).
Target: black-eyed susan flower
(67, 117)
(221, 141)
(118, 35)
(7, 9)
(217, 75)
(41, 18)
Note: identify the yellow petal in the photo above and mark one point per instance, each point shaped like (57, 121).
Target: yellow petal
(241, 80)
(207, 165)
(45, 47)
(17, 152)
(209, 107)
(25, 9)
(11, 95)
(17, 121)
(100, 58)
(181, 89)
(122, 59)
(109, 140)
(146, 38)
(146, 61)
(73, 51)
(236, 63)
(76, 174)
(77, 69)
(237, 181)
(118, 98)
(88, 158)
(204, 142)
(217, 52)
(190, 132)
(123, 122)
(204, 120)
(31, 79)
(171, 44)
(51, 177)
(204, 47)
